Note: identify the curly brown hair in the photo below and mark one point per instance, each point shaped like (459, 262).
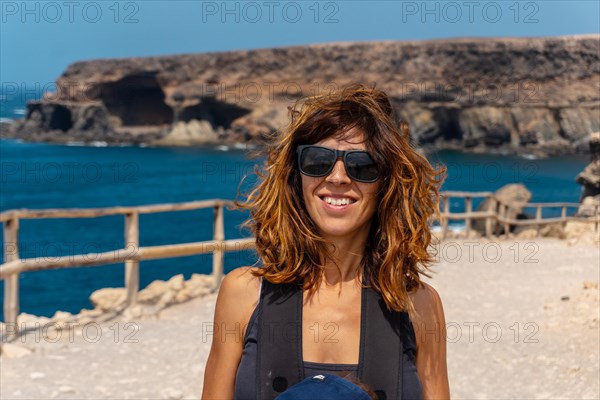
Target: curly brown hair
(287, 240)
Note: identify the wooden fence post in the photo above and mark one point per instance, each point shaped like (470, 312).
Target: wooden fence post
(132, 267)
(489, 221)
(506, 224)
(445, 216)
(218, 237)
(11, 283)
(469, 210)
(538, 217)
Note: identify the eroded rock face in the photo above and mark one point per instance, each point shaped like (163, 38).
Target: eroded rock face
(491, 126)
(535, 95)
(589, 178)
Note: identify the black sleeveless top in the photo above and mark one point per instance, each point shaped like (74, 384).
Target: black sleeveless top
(245, 383)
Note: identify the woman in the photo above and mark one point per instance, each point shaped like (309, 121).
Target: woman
(340, 216)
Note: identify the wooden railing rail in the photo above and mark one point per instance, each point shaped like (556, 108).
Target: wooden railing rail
(106, 211)
(131, 253)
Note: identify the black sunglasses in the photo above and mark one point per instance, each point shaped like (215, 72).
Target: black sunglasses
(319, 161)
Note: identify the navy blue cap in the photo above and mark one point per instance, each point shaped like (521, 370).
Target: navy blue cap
(326, 386)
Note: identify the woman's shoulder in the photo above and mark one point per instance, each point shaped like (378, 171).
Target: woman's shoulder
(238, 293)
(242, 276)
(425, 297)
(430, 331)
(237, 299)
(241, 284)
(429, 311)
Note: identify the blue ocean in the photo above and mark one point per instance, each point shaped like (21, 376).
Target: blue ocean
(39, 176)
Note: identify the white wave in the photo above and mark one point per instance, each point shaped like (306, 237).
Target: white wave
(19, 111)
(460, 227)
(12, 140)
(529, 156)
(96, 144)
(222, 147)
(6, 121)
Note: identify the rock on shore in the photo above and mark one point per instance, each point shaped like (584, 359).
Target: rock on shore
(517, 95)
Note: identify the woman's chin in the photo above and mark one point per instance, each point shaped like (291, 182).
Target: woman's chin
(338, 233)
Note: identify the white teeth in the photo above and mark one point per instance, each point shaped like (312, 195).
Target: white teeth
(336, 201)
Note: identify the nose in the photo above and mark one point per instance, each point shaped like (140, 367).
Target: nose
(338, 174)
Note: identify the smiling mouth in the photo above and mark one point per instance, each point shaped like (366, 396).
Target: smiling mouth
(336, 201)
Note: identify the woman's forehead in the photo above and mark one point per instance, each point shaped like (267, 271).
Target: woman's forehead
(352, 139)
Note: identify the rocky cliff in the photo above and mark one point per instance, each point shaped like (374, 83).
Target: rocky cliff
(520, 95)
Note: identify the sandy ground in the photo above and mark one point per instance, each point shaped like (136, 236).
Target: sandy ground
(519, 325)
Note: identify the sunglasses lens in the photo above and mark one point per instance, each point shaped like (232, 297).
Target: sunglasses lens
(316, 161)
(361, 167)
(319, 161)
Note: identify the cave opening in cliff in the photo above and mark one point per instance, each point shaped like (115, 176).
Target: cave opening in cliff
(137, 100)
(217, 113)
(450, 121)
(60, 119)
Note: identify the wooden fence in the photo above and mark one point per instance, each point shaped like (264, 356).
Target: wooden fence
(131, 254)
(496, 213)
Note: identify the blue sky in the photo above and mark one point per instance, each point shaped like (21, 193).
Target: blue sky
(39, 39)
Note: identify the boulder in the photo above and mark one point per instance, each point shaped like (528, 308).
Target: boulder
(30, 321)
(141, 310)
(590, 285)
(553, 230)
(526, 234)
(589, 178)
(168, 298)
(515, 195)
(108, 299)
(6, 127)
(188, 134)
(11, 350)
(589, 207)
(153, 292)
(200, 281)
(66, 389)
(62, 316)
(172, 394)
(577, 232)
(176, 282)
(110, 303)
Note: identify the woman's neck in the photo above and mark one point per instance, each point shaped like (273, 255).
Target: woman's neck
(346, 259)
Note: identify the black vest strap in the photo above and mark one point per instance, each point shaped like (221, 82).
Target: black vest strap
(380, 357)
(279, 363)
(279, 337)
